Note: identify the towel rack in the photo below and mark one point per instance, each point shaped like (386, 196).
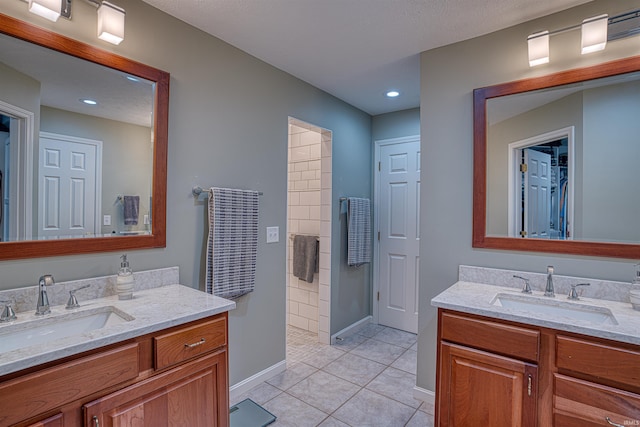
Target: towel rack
(292, 236)
(197, 190)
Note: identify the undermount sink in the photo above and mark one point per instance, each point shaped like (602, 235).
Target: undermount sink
(50, 328)
(555, 307)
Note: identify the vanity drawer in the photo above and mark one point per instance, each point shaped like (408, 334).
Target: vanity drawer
(189, 342)
(582, 403)
(27, 396)
(601, 361)
(508, 340)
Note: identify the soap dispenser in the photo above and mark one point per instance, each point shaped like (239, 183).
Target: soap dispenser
(124, 281)
(634, 293)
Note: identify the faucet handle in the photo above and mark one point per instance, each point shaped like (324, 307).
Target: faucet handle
(73, 301)
(7, 314)
(573, 293)
(527, 285)
(46, 280)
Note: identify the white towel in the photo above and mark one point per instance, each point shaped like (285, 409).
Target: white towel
(233, 242)
(359, 231)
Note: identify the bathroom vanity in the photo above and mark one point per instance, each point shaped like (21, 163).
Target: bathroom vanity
(164, 365)
(574, 364)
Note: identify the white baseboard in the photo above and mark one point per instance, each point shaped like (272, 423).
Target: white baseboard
(427, 396)
(351, 329)
(249, 383)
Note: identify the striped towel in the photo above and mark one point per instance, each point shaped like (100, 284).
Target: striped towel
(359, 231)
(232, 243)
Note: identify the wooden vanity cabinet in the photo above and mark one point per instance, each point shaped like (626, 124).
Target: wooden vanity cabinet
(174, 377)
(498, 373)
(487, 373)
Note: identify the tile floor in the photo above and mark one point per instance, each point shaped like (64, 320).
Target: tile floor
(367, 379)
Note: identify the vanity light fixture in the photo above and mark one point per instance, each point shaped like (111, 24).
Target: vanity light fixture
(538, 48)
(110, 23)
(110, 16)
(595, 33)
(48, 9)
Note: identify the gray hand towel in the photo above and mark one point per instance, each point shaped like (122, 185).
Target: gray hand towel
(305, 257)
(131, 206)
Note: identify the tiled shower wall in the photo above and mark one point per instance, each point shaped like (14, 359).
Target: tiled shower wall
(309, 213)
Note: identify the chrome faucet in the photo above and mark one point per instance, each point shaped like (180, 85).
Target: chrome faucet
(548, 291)
(43, 300)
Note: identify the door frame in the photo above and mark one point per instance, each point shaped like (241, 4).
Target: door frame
(515, 177)
(21, 174)
(98, 174)
(375, 304)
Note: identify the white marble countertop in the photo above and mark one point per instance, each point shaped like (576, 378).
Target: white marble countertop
(151, 309)
(477, 298)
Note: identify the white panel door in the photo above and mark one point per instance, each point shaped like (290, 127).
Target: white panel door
(399, 227)
(68, 187)
(537, 195)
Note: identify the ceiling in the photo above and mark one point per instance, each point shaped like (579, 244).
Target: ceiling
(356, 50)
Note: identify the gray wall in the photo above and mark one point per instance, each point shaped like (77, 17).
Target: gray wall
(228, 117)
(448, 77)
(127, 156)
(612, 147)
(396, 125)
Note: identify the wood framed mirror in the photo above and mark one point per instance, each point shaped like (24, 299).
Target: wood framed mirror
(136, 169)
(594, 185)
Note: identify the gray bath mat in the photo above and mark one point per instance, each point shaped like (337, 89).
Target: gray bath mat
(249, 414)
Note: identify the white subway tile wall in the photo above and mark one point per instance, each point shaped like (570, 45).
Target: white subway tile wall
(306, 180)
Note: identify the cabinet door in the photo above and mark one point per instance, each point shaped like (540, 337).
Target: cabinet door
(477, 388)
(190, 395)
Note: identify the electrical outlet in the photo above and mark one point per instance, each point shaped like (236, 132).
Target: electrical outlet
(106, 220)
(273, 234)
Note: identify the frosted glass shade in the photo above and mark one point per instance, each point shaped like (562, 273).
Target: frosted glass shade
(110, 23)
(48, 9)
(538, 48)
(594, 33)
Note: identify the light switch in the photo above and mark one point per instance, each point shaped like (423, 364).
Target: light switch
(273, 234)
(146, 220)
(106, 220)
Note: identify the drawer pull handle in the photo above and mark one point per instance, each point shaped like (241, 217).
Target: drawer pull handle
(612, 423)
(195, 344)
(95, 421)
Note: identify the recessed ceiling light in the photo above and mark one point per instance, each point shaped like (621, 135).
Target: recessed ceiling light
(393, 93)
(89, 101)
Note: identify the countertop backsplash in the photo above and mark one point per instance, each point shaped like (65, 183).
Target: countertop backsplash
(25, 299)
(598, 289)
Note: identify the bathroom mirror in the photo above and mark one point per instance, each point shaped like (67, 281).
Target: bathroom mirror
(83, 161)
(556, 160)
